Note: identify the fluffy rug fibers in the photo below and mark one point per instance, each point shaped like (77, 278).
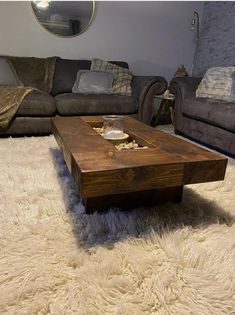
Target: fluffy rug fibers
(55, 259)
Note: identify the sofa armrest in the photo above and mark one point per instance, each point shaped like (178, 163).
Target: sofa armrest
(144, 88)
(182, 88)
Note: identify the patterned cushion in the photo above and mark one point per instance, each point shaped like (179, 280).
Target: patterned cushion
(218, 83)
(122, 77)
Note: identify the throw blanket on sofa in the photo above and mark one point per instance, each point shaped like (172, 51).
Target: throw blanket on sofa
(10, 100)
(34, 73)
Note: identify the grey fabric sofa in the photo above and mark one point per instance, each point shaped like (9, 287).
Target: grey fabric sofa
(37, 109)
(209, 121)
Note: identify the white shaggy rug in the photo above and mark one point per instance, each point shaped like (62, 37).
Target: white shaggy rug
(55, 259)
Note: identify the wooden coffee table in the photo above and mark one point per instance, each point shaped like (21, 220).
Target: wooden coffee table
(130, 178)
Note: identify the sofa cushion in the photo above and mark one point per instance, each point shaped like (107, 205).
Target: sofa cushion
(78, 104)
(93, 82)
(122, 76)
(214, 112)
(218, 83)
(8, 74)
(37, 103)
(66, 72)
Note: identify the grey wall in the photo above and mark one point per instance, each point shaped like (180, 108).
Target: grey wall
(216, 45)
(154, 37)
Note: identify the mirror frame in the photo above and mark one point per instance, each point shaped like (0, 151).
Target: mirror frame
(64, 36)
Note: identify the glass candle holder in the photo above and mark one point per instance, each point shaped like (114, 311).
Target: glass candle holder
(113, 127)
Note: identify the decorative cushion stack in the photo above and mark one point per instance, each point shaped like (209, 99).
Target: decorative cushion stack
(122, 77)
(104, 78)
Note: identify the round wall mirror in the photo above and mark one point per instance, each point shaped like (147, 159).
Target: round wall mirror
(64, 18)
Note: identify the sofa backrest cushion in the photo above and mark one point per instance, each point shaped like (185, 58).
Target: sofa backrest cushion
(8, 74)
(66, 73)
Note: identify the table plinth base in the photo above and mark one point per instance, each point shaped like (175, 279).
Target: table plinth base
(132, 200)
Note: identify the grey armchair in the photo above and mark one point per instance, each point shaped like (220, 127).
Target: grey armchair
(209, 121)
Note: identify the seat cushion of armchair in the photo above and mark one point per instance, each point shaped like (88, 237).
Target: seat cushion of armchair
(78, 104)
(215, 112)
(37, 103)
